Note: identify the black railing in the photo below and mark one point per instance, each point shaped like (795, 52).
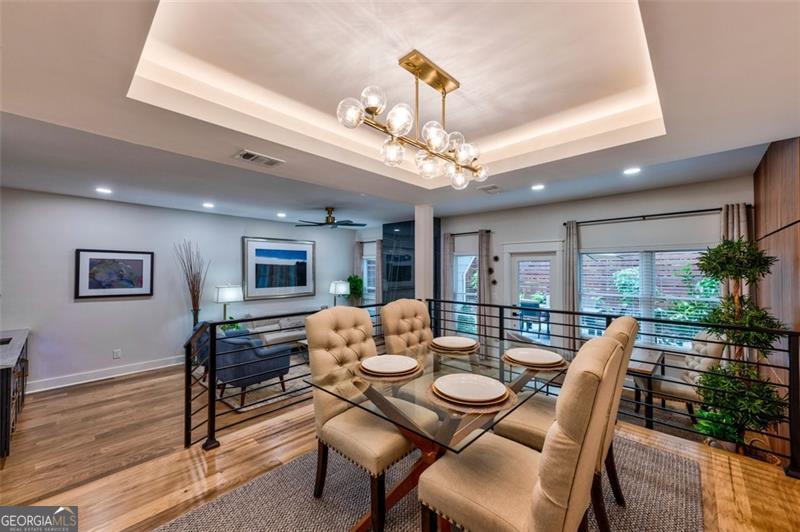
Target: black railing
(239, 370)
(213, 365)
(661, 350)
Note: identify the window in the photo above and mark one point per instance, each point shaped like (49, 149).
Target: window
(654, 284)
(465, 288)
(368, 274)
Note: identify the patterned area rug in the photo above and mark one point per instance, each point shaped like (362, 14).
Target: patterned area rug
(662, 492)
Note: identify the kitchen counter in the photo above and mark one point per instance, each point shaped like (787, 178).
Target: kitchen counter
(10, 352)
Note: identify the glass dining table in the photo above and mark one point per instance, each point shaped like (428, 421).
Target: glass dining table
(459, 425)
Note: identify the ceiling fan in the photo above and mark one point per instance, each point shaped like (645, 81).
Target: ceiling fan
(330, 220)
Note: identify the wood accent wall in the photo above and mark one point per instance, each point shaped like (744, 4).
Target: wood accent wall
(777, 230)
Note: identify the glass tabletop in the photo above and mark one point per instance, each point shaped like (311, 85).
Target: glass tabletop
(398, 400)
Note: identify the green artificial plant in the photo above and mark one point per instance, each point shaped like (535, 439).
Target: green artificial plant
(356, 289)
(735, 397)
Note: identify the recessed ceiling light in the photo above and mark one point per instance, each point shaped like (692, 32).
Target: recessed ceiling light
(537, 187)
(397, 230)
(208, 205)
(103, 190)
(281, 215)
(633, 170)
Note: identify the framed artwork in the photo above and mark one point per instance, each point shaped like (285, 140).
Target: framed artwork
(275, 268)
(109, 273)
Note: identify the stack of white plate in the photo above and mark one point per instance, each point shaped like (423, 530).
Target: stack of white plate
(534, 358)
(454, 345)
(389, 366)
(470, 389)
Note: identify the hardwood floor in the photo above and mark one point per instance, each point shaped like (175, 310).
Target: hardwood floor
(115, 449)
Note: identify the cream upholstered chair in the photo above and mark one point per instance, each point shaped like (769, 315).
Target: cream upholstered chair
(529, 423)
(338, 339)
(707, 351)
(406, 325)
(498, 484)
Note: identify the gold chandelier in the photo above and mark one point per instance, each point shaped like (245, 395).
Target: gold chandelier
(438, 152)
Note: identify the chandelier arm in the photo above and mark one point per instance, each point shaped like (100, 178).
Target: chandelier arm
(374, 124)
(444, 96)
(416, 102)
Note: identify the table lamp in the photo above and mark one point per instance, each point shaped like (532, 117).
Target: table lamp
(228, 294)
(339, 288)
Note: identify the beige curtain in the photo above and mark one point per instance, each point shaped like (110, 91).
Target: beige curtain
(735, 224)
(448, 254)
(484, 281)
(570, 286)
(358, 255)
(379, 271)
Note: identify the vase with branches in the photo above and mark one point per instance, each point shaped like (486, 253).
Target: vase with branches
(195, 269)
(736, 399)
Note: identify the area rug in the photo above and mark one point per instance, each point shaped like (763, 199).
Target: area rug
(257, 393)
(662, 491)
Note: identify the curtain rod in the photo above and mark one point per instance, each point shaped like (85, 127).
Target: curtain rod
(467, 233)
(643, 217)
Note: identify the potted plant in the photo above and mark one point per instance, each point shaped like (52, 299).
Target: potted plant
(736, 399)
(356, 289)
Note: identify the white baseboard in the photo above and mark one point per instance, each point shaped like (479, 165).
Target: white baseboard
(52, 383)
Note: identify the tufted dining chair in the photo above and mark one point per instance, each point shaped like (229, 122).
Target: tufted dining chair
(406, 325)
(529, 423)
(500, 485)
(338, 339)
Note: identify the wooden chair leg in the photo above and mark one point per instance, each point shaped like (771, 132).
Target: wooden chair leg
(322, 468)
(598, 505)
(637, 397)
(283, 384)
(378, 501)
(690, 409)
(242, 395)
(428, 518)
(613, 479)
(443, 524)
(222, 389)
(205, 374)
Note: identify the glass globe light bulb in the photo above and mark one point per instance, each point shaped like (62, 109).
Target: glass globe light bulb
(350, 113)
(454, 140)
(427, 165)
(482, 174)
(400, 119)
(458, 178)
(393, 152)
(373, 99)
(465, 154)
(435, 136)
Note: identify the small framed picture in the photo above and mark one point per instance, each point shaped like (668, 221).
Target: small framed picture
(275, 268)
(108, 273)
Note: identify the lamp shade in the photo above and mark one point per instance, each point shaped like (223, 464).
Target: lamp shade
(229, 294)
(340, 288)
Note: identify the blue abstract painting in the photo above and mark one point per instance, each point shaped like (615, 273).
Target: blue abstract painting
(116, 273)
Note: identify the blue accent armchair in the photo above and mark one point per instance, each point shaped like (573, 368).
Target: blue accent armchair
(252, 362)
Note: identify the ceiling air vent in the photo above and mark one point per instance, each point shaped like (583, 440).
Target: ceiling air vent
(257, 158)
(490, 189)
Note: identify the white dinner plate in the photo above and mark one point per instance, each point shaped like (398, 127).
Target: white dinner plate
(389, 364)
(534, 357)
(470, 387)
(456, 343)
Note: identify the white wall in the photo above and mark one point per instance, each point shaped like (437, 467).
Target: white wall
(72, 340)
(540, 228)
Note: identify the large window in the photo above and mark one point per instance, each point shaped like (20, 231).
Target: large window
(653, 284)
(368, 274)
